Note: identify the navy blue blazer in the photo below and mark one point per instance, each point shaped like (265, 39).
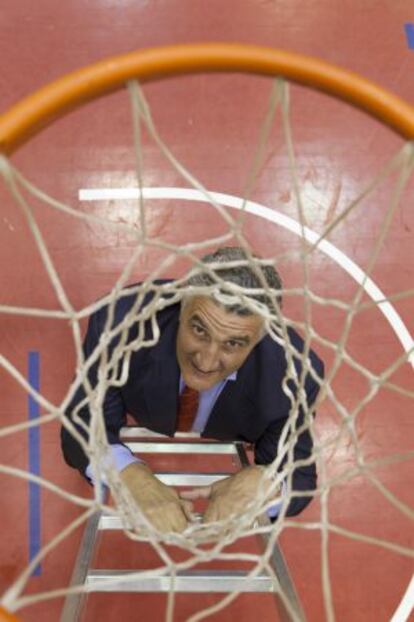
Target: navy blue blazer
(253, 408)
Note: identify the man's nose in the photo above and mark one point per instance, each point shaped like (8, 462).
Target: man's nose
(207, 358)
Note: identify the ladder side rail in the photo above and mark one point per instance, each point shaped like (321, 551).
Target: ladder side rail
(277, 562)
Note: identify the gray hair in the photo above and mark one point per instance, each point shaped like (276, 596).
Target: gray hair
(243, 274)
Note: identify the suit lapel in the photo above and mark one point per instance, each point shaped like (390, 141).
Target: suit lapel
(234, 415)
(161, 382)
(236, 412)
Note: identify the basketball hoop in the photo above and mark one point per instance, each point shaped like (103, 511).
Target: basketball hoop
(34, 113)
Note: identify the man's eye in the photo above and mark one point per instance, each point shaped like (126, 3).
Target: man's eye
(233, 344)
(198, 329)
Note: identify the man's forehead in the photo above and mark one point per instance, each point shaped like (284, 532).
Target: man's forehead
(211, 312)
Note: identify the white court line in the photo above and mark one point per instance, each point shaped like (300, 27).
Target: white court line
(406, 605)
(228, 200)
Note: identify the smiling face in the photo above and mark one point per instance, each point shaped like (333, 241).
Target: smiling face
(212, 342)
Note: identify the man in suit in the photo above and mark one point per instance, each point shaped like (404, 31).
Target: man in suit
(214, 370)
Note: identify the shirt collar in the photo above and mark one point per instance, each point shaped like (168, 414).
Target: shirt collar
(232, 376)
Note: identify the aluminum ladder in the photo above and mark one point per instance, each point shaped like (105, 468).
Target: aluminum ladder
(141, 441)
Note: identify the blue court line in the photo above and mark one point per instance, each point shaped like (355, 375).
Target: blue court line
(34, 461)
(409, 31)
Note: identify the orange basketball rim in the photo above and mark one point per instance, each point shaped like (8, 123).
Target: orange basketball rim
(35, 112)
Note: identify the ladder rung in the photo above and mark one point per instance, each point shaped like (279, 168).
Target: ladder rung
(190, 479)
(140, 447)
(188, 581)
(111, 521)
(138, 432)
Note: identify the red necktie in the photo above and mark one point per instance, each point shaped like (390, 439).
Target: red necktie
(187, 409)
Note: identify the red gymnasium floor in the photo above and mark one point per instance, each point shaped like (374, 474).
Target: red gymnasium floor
(211, 123)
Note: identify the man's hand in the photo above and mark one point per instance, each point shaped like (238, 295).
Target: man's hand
(230, 496)
(160, 503)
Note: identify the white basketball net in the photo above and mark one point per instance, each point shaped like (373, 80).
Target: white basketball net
(366, 296)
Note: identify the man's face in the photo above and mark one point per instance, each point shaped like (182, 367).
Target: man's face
(212, 342)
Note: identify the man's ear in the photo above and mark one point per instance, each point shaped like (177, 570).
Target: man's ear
(263, 332)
